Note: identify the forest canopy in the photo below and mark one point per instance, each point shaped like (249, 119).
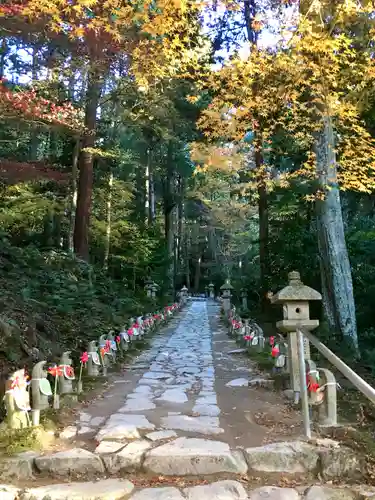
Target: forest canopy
(188, 142)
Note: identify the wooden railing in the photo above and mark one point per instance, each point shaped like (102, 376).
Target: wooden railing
(343, 368)
(317, 386)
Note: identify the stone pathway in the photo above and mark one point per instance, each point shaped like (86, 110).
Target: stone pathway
(185, 408)
(188, 388)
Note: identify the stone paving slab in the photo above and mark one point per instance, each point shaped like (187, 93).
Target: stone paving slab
(158, 494)
(122, 489)
(109, 489)
(217, 491)
(129, 458)
(194, 457)
(70, 462)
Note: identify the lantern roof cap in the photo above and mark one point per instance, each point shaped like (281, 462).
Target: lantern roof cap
(226, 286)
(295, 291)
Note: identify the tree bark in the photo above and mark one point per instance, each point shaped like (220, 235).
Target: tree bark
(141, 194)
(338, 297)
(73, 196)
(197, 276)
(108, 223)
(151, 195)
(169, 215)
(3, 55)
(187, 255)
(180, 219)
(147, 187)
(85, 183)
(169, 231)
(34, 139)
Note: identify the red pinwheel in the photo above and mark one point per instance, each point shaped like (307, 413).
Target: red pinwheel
(56, 371)
(275, 351)
(311, 385)
(118, 339)
(272, 340)
(84, 358)
(131, 332)
(247, 337)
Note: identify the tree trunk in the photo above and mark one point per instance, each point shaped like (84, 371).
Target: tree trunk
(147, 187)
(337, 282)
(263, 230)
(151, 195)
(141, 202)
(169, 232)
(108, 223)
(3, 55)
(180, 219)
(85, 183)
(169, 215)
(197, 276)
(34, 139)
(73, 196)
(187, 255)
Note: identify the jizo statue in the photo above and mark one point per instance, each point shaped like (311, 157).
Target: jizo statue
(17, 400)
(67, 377)
(40, 390)
(93, 364)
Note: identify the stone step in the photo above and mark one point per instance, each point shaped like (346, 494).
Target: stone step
(122, 489)
(188, 457)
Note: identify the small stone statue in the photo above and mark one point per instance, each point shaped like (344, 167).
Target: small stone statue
(66, 379)
(113, 345)
(40, 391)
(125, 340)
(141, 328)
(327, 410)
(17, 400)
(105, 353)
(93, 364)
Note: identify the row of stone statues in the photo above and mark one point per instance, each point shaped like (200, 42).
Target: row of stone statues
(21, 388)
(26, 396)
(320, 382)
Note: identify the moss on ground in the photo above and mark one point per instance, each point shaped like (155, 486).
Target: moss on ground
(14, 441)
(263, 359)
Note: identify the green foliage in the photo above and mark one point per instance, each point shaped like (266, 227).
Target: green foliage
(14, 441)
(59, 302)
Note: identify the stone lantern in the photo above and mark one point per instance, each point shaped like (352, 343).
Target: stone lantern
(148, 287)
(295, 298)
(244, 298)
(211, 288)
(184, 292)
(226, 289)
(154, 289)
